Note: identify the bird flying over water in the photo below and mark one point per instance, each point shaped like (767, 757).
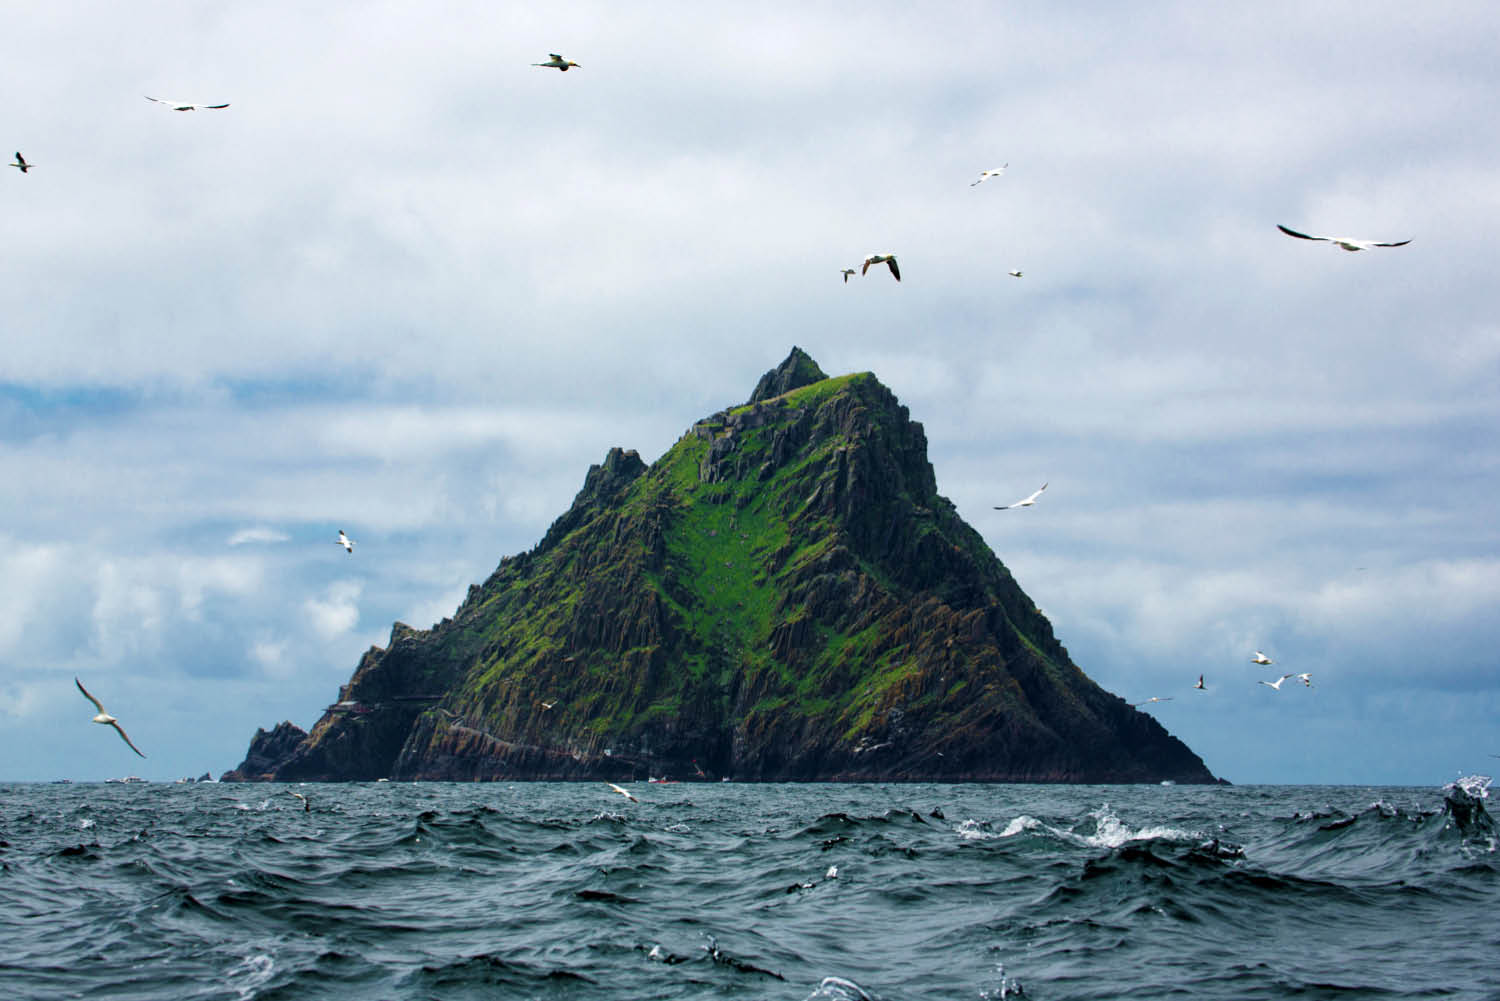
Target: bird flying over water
(1025, 501)
(887, 259)
(1305, 677)
(622, 792)
(1277, 683)
(346, 542)
(106, 719)
(985, 175)
(557, 62)
(20, 163)
(1346, 242)
(1261, 658)
(306, 806)
(184, 105)
(846, 273)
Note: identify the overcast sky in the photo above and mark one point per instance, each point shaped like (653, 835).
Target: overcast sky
(410, 286)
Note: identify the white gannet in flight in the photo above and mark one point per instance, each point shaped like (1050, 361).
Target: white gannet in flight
(1199, 686)
(1277, 683)
(1305, 677)
(985, 175)
(20, 163)
(346, 542)
(1346, 242)
(1261, 658)
(184, 105)
(306, 806)
(1014, 274)
(105, 718)
(557, 62)
(889, 259)
(622, 792)
(1154, 698)
(1025, 501)
(846, 273)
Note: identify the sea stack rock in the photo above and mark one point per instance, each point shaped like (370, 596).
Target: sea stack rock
(782, 596)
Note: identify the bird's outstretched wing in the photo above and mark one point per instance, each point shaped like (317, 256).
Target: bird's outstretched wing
(213, 106)
(1399, 243)
(121, 731)
(1301, 236)
(97, 704)
(622, 792)
(894, 270)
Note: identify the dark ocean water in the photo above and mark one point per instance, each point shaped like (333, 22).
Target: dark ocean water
(796, 892)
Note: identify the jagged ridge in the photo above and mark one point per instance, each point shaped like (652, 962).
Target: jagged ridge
(782, 595)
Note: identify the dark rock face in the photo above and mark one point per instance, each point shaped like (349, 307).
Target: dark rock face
(267, 751)
(782, 596)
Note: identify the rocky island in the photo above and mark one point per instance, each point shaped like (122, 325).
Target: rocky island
(782, 596)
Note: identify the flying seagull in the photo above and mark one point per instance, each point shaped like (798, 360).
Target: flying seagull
(846, 273)
(1199, 686)
(548, 704)
(889, 259)
(1154, 698)
(1277, 683)
(306, 806)
(1014, 274)
(1025, 501)
(557, 62)
(985, 175)
(1305, 677)
(105, 717)
(21, 163)
(622, 792)
(184, 105)
(1346, 242)
(1261, 658)
(346, 542)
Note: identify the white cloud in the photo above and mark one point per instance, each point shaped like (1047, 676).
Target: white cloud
(337, 612)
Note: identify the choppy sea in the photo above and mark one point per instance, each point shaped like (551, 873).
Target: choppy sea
(800, 892)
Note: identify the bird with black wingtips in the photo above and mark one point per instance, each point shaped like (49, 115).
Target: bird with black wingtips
(557, 62)
(185, 105)
(105, 719)
(1024, 501)
(346, 542)
(1345, 242)
(20, 163)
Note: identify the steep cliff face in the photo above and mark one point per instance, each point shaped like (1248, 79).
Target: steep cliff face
(783, 595)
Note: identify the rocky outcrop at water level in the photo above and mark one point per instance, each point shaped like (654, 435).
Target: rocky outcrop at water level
(783, 595)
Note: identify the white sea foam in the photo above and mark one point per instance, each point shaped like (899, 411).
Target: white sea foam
(249, 973)
(838, 989)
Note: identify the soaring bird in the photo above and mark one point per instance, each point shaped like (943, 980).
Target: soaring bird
(1154, 698)
(622, 792)
(889, 259)
(1025, 501)
(1199, 686)
(20, 163)
(1277, 683)
(1305, 677)
(1346, 242)
(557, 62)
(105, 718)
(846, 273)
(346, 542)
(1014, 274)
(184, 105)
(1261, 658)
(306, 806)
(985, 175)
